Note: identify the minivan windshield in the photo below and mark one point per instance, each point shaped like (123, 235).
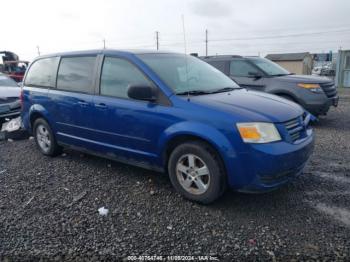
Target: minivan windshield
(186, 74)
(269, 67)
(5, 81)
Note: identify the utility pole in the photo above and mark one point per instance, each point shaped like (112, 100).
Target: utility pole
(104, 43)
(157, 39)
(38, 49)
(206, 42)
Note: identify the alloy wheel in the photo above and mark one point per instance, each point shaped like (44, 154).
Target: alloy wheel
(43, 138)
(193, 174)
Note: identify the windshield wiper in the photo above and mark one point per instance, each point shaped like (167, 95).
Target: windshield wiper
(225, 89)
(283, 74)
(193, 92)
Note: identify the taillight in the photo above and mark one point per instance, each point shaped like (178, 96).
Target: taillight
(21, 98)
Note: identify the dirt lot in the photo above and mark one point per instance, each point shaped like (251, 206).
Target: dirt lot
(48, 208)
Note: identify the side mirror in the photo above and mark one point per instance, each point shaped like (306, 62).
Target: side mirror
(256, 75)
(142, 92)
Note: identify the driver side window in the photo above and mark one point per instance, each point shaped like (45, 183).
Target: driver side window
(241, 68)
(117, 75)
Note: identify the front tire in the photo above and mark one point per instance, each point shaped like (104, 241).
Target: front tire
(45, 139)
(196, 172)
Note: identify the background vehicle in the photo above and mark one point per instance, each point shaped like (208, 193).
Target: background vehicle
(315, 94)
(9, 98)
(167, 112)
(12, 66)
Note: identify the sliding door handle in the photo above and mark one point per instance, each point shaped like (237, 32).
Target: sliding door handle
(101, 106)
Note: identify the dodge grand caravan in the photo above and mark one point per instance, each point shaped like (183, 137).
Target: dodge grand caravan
(167, 112)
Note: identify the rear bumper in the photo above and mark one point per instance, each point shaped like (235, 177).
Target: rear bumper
(272, 165)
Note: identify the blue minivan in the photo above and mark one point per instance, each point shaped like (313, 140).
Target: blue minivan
(167, 112)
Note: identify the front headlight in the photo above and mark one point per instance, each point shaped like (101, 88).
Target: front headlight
(312, 87)
(258, 132)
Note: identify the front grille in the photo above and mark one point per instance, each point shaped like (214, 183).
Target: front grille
(295, 128)
(10, 108)
(329, 89)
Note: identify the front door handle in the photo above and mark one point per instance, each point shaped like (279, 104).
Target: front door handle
(82, 103)
(101, 106)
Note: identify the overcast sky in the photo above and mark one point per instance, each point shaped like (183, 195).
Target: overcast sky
(248, 27)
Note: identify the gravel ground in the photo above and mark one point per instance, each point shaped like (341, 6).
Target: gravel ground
(49, 208)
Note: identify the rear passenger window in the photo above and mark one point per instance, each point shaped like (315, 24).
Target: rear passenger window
(42, 73)
(76, 74)
(117, 75)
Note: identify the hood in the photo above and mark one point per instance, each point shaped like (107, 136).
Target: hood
(11, 91)
(304, 79)
(251, 105)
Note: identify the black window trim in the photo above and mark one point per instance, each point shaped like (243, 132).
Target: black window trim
(162, 99)
(94, 73)
(42, 86)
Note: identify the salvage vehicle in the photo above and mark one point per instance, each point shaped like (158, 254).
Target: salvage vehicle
(167, 112)
(12, 66)
(316, 94)
(9, 98)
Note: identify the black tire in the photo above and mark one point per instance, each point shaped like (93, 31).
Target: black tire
(205, 153)
(17, 135)
(53, 149)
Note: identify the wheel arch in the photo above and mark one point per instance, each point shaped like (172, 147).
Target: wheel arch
(183, 138)
(286, 93)
(197, 132)
(38, 111)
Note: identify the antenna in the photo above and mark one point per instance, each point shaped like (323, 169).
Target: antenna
(157, 40)
(184, 32)
(206, 42)
(185, 49)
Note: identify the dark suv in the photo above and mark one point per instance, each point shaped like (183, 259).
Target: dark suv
(316, 94)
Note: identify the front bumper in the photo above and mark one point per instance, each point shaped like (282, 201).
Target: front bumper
(322, 106)
(12, 114)
(10, 110)
(269, 166)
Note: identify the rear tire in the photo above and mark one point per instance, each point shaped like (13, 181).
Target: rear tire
(45, 138)
(196, 172)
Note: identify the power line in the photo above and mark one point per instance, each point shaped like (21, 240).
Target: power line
(226, 41)
(281, 36)
(257, 38)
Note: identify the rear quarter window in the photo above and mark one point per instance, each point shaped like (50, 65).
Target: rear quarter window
(220, 65)
(42, 73)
